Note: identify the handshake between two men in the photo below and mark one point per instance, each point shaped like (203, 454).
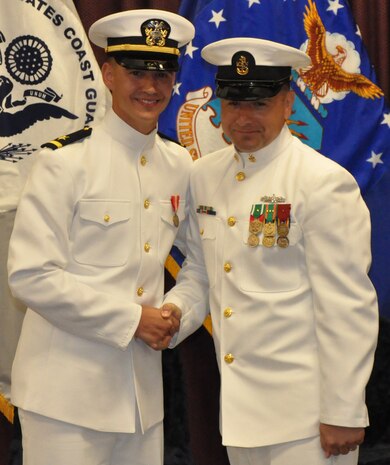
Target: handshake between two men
(157, 326)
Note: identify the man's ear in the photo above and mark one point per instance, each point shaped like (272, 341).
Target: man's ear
(107, 74)
(290, 97)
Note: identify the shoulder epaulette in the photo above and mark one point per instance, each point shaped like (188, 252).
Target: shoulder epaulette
(68, 139)
(163, 136)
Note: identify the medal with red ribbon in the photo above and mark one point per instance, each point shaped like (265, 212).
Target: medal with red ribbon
(175, 200)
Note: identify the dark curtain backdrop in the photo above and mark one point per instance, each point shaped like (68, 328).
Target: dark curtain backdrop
(372, 16)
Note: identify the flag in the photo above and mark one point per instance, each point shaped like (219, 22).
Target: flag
(50, 85)
(339, 109)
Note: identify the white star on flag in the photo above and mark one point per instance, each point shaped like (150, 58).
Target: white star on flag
(375, 158)
(358, 32)
(334, 6)
(190, 49)
(386, 119)
(217, 18)
(176, 88)
(252, 2)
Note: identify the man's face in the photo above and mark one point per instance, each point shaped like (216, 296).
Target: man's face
(138, 97)
(252, 125)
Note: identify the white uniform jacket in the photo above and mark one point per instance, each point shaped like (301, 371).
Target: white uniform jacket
(294, 328)
(91, 236)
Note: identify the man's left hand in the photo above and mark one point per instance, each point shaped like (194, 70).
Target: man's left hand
(172, 312)
(336, 440)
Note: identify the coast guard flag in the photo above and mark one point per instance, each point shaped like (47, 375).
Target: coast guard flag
(50, 85)
(339, 109)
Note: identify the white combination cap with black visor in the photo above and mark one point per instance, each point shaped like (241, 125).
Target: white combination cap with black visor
(143, 39)
(252, 69)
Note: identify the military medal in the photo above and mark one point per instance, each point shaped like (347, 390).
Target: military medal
(269, 229)
(283, 242)
(175, 200)
(255, 224)
(283, 224)
(283, 229)
(253, 240)
(268, 241)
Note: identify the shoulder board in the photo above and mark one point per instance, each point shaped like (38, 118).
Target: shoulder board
(163, 136)
(68, 139)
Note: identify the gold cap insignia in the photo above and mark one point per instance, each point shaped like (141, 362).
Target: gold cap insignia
(242, 65)
(155, 32)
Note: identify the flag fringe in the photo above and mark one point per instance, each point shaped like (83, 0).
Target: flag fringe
(7, 409)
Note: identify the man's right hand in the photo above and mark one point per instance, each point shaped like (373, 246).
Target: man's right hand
(154, 329)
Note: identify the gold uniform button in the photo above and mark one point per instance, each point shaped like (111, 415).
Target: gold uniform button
(228, 312)
(231, 221)
(147, 247)
(140, 291)
(227, 267)
(143, 160)
(240, 176)
(201, 232)
(146, 203)
(229, 358)
(107, 218)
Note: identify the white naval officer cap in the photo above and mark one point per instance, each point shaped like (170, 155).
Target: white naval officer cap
(143, 39)
(252, 69)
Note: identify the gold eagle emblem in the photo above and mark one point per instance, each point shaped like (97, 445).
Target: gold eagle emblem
(156, 33)
(326, 71)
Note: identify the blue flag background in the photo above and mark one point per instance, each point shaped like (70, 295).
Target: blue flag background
(345, 119)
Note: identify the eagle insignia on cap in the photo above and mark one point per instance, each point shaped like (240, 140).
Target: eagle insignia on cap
(242, 65)
(155, 32)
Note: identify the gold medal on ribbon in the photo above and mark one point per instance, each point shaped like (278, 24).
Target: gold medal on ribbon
(255, 226)
(269, 229)
(268, 241)
(283, 229)
(283, 220)
(175, 200)
(253, 240)
(283, 242)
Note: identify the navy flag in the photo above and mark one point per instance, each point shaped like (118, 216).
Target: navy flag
(339, 108)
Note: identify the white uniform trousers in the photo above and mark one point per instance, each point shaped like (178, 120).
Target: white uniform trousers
(303, 452)
(47, 442)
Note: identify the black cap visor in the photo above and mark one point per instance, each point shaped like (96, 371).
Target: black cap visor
(147, 61)
(249, 90)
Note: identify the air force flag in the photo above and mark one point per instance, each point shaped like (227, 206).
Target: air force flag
(339, 109)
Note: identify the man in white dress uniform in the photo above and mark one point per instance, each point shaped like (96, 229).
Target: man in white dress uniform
(92, 232)
(283, 236)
